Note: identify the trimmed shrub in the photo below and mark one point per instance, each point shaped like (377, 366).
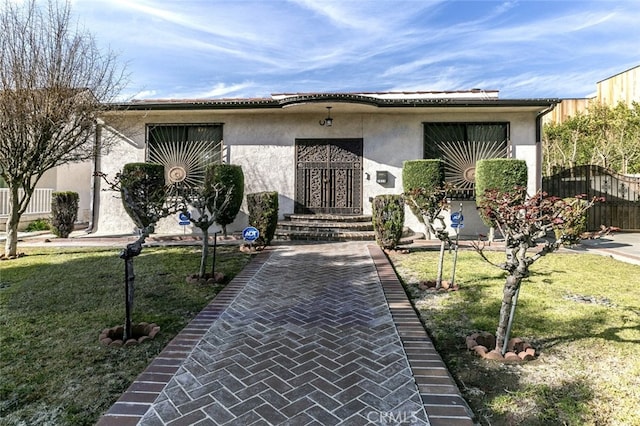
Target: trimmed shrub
(501, 174)
(263, 215)
(142, 187)
(64, 212)
(388, 219)
(422, 174)
(230, 180)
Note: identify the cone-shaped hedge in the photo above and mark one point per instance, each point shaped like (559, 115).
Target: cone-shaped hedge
(388, 219)
(64, 212)
(263, 215)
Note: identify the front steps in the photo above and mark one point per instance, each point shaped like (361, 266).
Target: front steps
(329, 227)
(325, 227)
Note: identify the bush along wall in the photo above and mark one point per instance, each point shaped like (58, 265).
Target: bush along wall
(64, 212)
(426, 174)
(501, 174)
(263, 215)
(388, 219)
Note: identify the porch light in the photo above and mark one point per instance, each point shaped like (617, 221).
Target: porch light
(328, 122)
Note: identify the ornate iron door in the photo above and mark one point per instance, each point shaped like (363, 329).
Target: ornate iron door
(329, 176)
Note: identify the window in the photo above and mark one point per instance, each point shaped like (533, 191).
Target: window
(460, 145)
(184, 150)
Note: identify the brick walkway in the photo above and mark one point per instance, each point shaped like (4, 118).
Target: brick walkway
(317, 334)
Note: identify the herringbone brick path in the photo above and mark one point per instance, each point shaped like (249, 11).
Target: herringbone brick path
(304, 338)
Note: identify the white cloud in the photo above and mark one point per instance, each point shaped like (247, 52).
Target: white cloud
(222, 90)
(205, 47)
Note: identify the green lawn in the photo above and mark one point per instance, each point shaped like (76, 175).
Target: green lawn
(53, 305)
(580, 311)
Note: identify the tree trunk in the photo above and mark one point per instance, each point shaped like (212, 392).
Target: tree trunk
(205, 251)
(440, 262)
(127, 254)
(11, 243)
(213, 262)
(129, 278)
(510, 288)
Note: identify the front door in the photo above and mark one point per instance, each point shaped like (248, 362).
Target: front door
(329, 176)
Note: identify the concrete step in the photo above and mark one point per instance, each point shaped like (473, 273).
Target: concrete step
(300, 225)
(324, 235)
(326, 218)
(325, 227)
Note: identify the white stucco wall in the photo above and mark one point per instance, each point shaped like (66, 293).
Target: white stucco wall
(77, 177)
(263, 143)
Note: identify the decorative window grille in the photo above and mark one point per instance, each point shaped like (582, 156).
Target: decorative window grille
(460, 145)
(184, 150)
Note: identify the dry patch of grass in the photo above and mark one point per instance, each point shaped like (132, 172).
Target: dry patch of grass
(580, 311)
(53, 305)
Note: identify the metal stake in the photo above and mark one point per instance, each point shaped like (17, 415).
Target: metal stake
(455, 254)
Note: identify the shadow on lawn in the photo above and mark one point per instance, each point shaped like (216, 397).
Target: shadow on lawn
(496, 391)
(503, 402)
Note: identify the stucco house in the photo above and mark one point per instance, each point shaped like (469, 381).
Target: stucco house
(322, 152)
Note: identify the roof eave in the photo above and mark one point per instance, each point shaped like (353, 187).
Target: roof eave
(243, 104)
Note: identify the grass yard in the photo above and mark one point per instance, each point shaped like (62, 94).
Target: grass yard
(580, 311)
(55, 302)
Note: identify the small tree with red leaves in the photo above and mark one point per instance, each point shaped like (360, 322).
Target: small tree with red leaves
(537, 222)
(431, 203)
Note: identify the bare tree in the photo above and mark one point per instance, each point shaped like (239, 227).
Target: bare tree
(55, 82)
(538, 222)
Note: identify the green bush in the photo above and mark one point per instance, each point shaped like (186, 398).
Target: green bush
(39, 224)
(501, 174)
(142, 187)
(263, 215)
(230, 180)
(64, 212)
(574, 220)
(388, 219)
(427, 175)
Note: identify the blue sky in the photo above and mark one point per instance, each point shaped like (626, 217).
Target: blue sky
(243, 48)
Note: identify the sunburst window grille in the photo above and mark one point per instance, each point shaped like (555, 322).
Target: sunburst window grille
(460, 145)
(185, 150)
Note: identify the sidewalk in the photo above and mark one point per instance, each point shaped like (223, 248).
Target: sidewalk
(622, 246)
(307, 334)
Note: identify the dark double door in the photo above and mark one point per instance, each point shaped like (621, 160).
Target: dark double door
(329, 176)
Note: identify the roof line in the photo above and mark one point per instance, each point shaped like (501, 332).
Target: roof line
(272, 103)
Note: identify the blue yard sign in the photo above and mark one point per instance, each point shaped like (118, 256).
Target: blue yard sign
(456, 220)
(184, 219)
(250, 234)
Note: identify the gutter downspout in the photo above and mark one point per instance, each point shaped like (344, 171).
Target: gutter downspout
(95, 181)
(539, 143)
